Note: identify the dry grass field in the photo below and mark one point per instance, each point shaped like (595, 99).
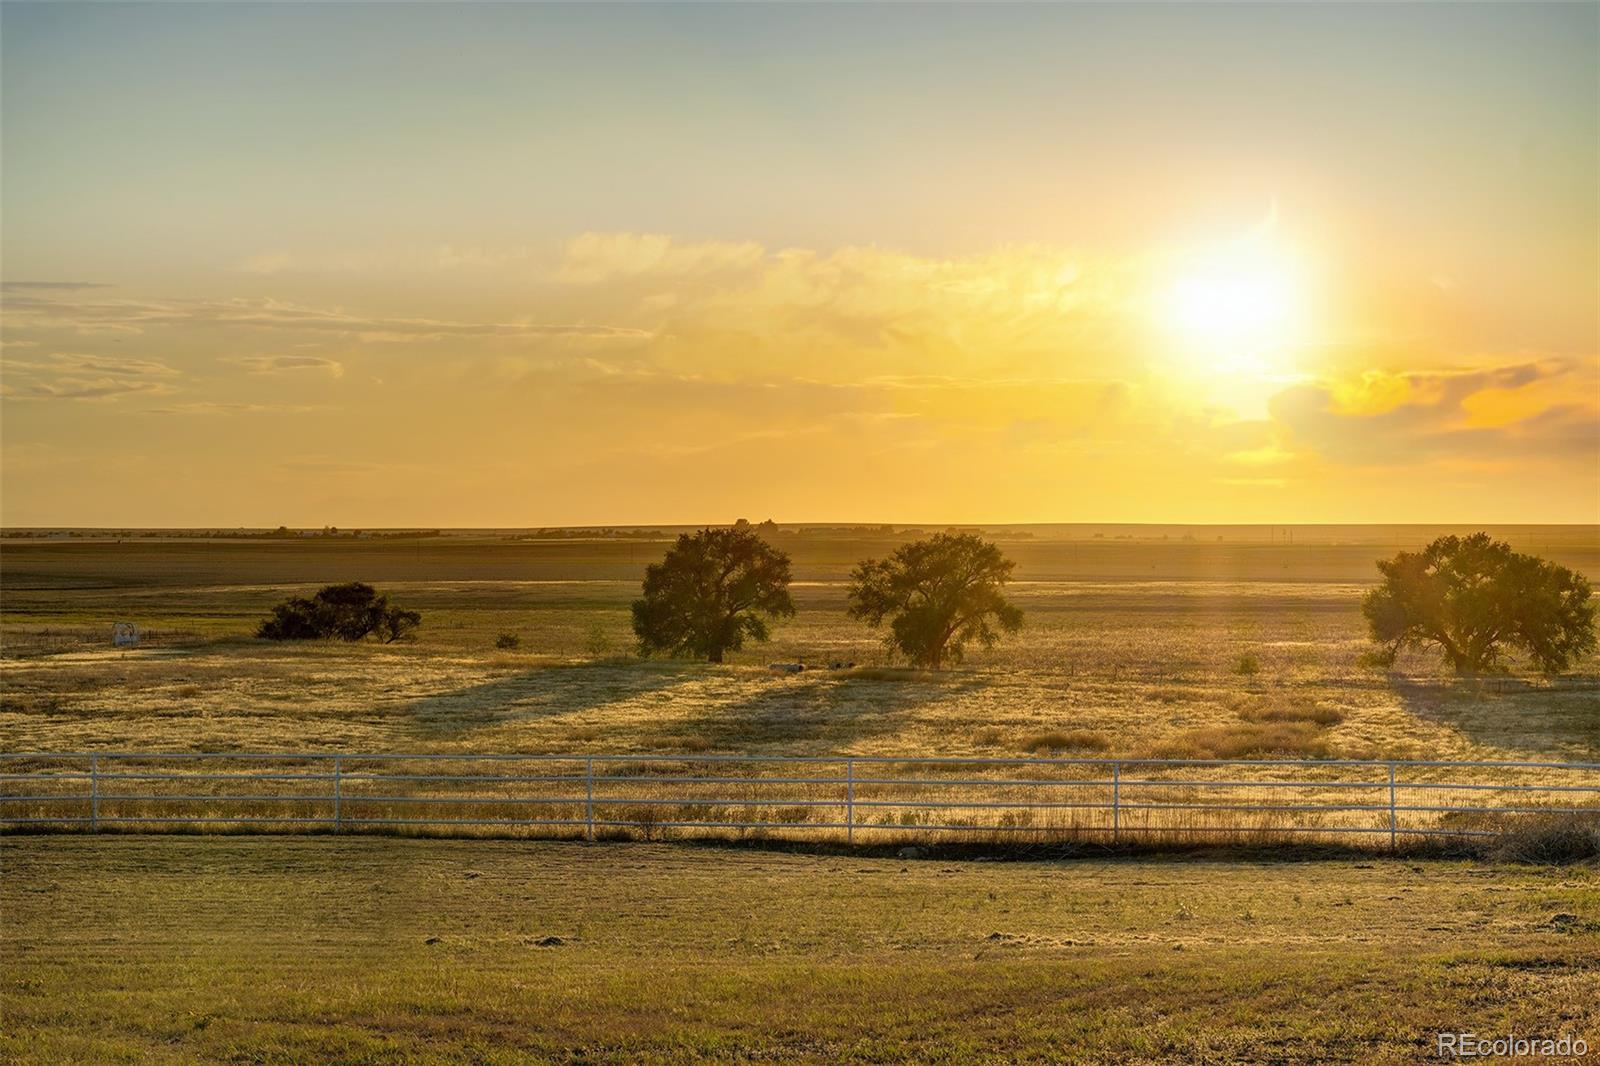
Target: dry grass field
(273, 950)
(1130, 648)
(151, 948)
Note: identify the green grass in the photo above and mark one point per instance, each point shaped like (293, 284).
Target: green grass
(359, 950)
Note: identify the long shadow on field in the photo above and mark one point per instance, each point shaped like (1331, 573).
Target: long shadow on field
(1555, 719)
(541, 693)
(821, 714)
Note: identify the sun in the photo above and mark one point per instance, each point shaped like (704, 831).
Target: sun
(1236, 311)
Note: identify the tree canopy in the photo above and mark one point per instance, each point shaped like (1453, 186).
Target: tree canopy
(714, 589)
(938, 594)
(1477, 600)
(351, 611)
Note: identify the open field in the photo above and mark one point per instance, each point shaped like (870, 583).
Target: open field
(393, 949)
(1131, 648)
(287, 950)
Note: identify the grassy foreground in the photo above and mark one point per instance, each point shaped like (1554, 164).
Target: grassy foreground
(150, 949)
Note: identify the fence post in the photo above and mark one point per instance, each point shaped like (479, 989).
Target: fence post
(1394, 827)
(94, 793)
(588, 782)
(338, 795)
(1116, 802)
(849, 801)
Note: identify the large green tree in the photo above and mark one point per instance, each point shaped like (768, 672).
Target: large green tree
(1476, 600)
(714, 589)
(937, 595)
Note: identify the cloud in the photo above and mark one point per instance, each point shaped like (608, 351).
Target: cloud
(72, 376)
(1399, 419)
(450, 257)
(267, 263)
(1253, 482)
(106, 364)
(137, 316)
(61, 286)
(283, 364)
(316, 465)
(592, 258)
(723, 308)
(216, 407)
(82, 388)
(385, 260)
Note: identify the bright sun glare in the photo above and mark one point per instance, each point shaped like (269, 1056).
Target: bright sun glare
(1240, 311)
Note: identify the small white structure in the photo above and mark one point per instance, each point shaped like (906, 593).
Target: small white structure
(124, 635)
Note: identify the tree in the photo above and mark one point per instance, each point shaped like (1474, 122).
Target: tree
(351, 611)
(714, 588)
(938, 594)
(395, 624)
(1477, 599)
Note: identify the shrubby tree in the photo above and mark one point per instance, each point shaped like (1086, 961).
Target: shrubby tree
(937, 594)
(395, 624)
(714, 589)
(350, 611)
(1476, 600)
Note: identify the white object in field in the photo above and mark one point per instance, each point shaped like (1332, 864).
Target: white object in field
(124, 634)
(786, 668)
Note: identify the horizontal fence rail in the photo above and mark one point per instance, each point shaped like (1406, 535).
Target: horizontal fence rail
(835, 798)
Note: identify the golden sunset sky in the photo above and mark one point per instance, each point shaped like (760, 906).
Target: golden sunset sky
(435, 265)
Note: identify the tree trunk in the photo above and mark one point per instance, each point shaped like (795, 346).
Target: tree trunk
(715, 655)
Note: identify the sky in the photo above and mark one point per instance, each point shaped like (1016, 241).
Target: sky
(375, 265)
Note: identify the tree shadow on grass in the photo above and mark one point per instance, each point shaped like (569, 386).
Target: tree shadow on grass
(545, 692)
(1556, 719)
(817, 714)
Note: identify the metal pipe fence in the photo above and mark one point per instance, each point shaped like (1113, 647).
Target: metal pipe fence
(848, 798)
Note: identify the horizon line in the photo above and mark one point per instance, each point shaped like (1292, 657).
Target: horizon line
(845, 524)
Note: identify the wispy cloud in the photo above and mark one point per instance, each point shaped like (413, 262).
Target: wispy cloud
(82, 388)
(286, 364)
(266, 314)
(72, 362)
(387, 260)
(60, 286)
(217, 407)
(73, 376)
(592, 258)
